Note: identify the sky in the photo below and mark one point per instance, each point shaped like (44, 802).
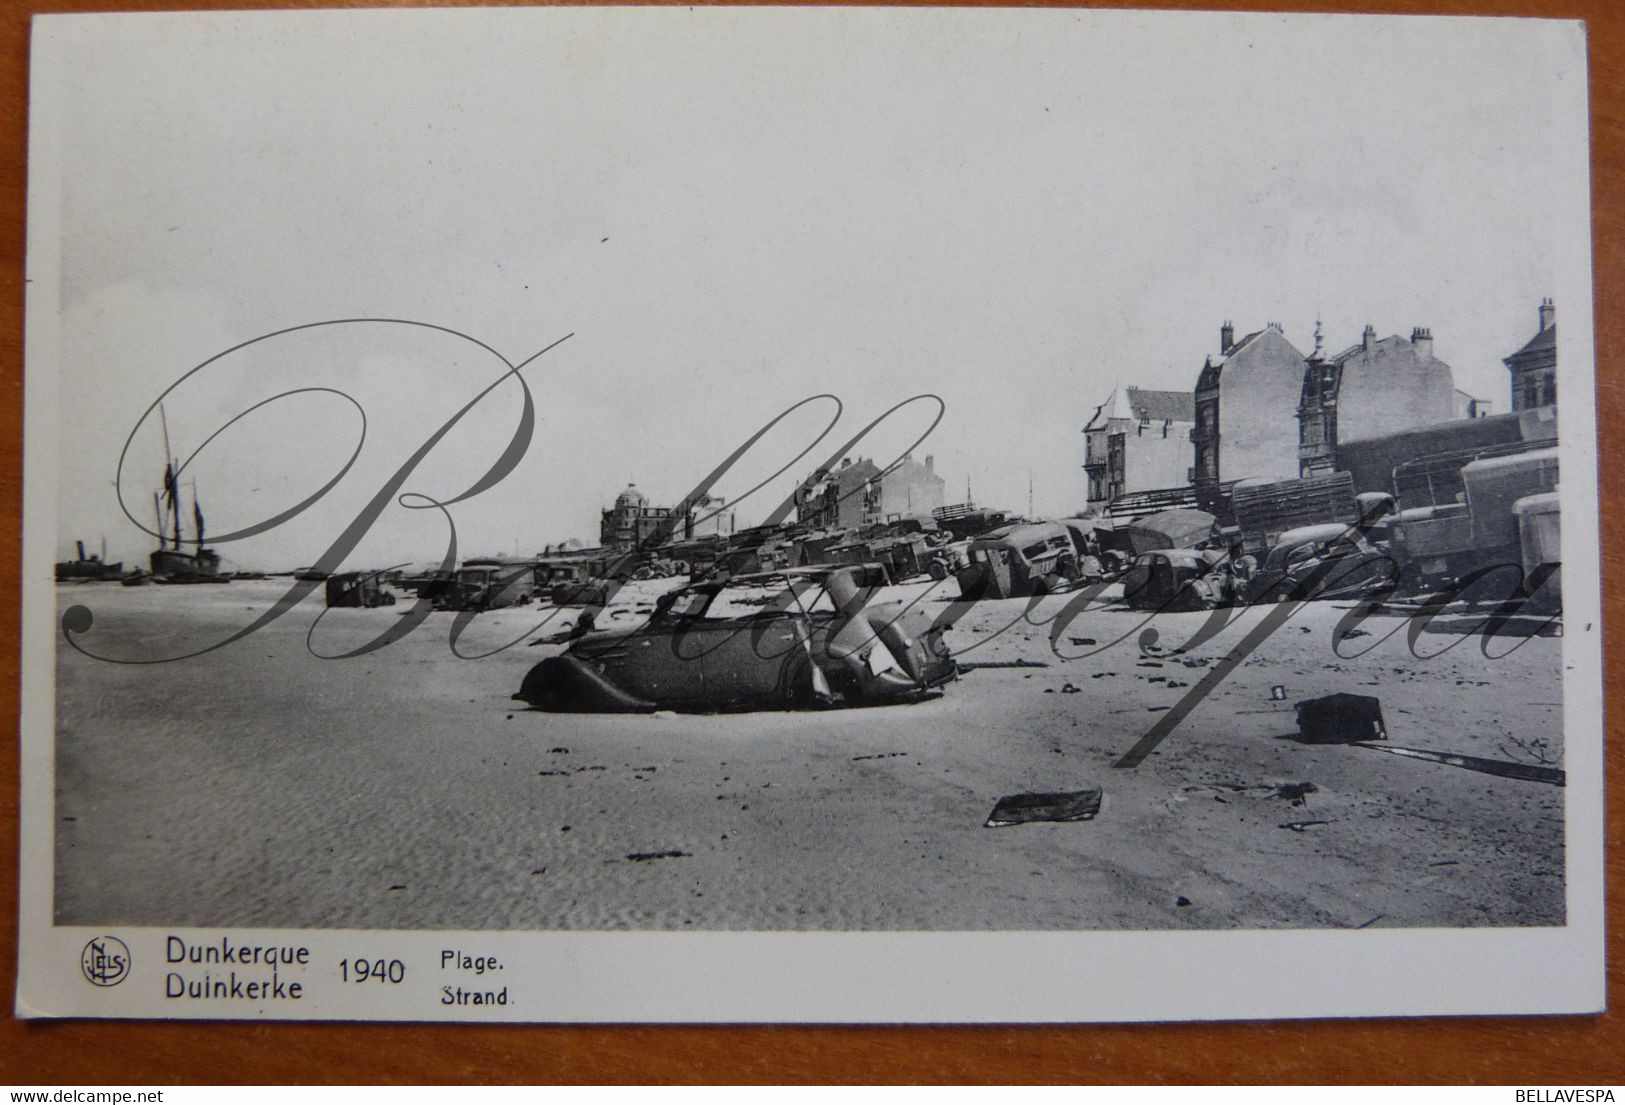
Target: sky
(723, 212)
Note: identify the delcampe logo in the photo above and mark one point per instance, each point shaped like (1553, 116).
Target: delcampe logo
(105, 961)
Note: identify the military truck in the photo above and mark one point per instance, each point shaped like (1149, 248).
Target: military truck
(1434, 545)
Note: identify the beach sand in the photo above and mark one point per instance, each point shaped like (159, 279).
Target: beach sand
(259, 785)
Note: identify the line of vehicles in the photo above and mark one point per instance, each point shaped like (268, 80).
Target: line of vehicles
(790, 616)
(1457, 514)
(816, 635)
(1487, 527)
(1312, 538)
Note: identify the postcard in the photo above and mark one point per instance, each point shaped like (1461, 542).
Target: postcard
(809, 515)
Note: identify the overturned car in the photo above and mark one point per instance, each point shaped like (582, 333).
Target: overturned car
(777, 640)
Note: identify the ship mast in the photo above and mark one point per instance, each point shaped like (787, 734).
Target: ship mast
(197, 519)
(171, 491)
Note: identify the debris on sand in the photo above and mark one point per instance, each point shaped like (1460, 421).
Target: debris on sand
(1018, 809)
(1504, 768)
(1300, 826)
(644, 857)
(1340, 719)
(977, 664)
(1295, 793)
(1277, 693)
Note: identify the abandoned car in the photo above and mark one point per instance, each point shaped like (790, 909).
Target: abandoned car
(1328, 561)
(1033, 558)
(358, 589)
(489, 585)
(780, 640)
(1178, 580)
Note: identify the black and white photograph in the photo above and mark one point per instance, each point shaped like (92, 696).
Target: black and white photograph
(822, 514)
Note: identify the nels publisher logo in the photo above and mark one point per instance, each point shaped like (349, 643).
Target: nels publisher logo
(105, 961)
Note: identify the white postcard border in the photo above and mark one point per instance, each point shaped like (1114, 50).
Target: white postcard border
(851, 977)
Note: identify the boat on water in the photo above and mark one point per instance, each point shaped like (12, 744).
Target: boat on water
(171, 562)
(88, 568)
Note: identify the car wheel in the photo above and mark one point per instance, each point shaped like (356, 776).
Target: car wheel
(796, 688)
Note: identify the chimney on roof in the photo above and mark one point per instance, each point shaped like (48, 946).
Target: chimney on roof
(1422, 338)
(1548, 315)
(1369, 337)
(1227, 337)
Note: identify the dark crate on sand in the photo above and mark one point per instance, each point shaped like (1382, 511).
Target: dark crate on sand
(1341, 719)
(1018, 809)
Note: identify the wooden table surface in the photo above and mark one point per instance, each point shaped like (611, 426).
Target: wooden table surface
(1521, 1051)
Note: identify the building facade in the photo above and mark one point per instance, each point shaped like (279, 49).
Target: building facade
(1247, 401)
(858, 493)
(1138, 440)
(910, 487)
(633, 524)
(1380, 387)
(839, 498)
(1534, 367)
(708, 516)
